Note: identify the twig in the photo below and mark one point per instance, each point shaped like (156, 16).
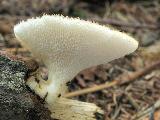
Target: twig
(131, 25)
(116, 113)
(16, 50)
(140, 115)
(92, 89)
(132, 101)
(123, 79)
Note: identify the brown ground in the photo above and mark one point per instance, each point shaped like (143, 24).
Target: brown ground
(139, 18)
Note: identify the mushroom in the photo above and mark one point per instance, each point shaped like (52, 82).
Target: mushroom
(67, 46)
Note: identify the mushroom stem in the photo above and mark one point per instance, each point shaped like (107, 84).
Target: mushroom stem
(63, 108)
(49, 90)
(55, 90)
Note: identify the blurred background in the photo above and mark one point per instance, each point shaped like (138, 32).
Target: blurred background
(140, 18)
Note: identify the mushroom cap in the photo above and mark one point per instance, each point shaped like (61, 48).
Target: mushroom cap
(69, 45)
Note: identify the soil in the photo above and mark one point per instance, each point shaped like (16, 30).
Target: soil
(140, 19)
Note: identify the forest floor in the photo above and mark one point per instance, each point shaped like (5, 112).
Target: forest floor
(139, 96)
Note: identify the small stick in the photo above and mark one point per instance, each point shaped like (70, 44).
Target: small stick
(16, 50)
(132, 101)
(121, 80)
(116, 113)
(92, 89)
(128, 25)
(147, 111)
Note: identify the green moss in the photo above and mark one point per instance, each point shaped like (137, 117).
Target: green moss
(15, 101)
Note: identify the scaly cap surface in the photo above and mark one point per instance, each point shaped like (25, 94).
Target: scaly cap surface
(69, 45)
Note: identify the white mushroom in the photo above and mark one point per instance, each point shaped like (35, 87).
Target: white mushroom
(67, 46)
